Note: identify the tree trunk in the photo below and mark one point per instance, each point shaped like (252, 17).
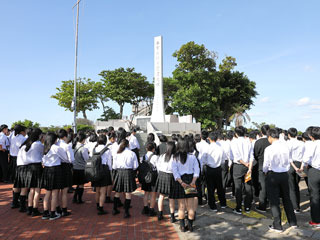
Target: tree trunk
(84, 114)
(121, 109)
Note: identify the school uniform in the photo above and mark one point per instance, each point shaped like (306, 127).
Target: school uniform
(21, 178)
(242, 150)
(258, 153)
(226, 163)
(151, 158)
(15, 144)
(81, 156)
(90, 146)
(34, 169)
(134, 145)
(106, 160)
(125, 164)
(276, 165)
(202, 147)
(165, 180)
(52, 173)
(66, 165)
(214, 160)
(4, 142)
(296, 152)
(186, 172)
(313, 160)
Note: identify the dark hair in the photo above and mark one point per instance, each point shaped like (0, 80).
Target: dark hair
(93, 137)
(29, 131)
(110, 129)
(128, 134)
(102, 140)
(150, 146)
(240, 131)
(18, 129)
(62, 133)
(174, 137)
(123, 144)
(230, 135)
(265, 129)
(213, 136)
(171, 150)
(134, 130)
(3, 126)
(204, 134)
(150, 137)
(79, 138)
(70, 137)
(34, 136)
(121, 135)
(190, 135)
(191, 146)
(279, 130)
(163, 138)
(305, 136)
(273, 132)
(112, 135)
(315, 133)
(293, 132)
(253, 135)
(182, 150)
(50, 139)
(197, 138)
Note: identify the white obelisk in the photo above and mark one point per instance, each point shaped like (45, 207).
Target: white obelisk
(158, 105)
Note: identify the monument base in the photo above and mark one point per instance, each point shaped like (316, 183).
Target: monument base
(168, 128)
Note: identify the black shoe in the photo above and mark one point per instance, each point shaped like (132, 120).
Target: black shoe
(115, 211)
(237, 211)
(15, 205)
(15, 200)
(190, 227)
(46, 215)
(101, 211)
(58, 210)
(65, 212)
(145, 210)
(35, 212)
(182, 226)
(23, 207)
(259, 209)
(29, 211)
(160, 215)
(54, 216)
(152, 213)
(127, 215)
(172, 218)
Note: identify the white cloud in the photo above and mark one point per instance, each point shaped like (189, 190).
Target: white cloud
(303, 101)
(264, 100)
(308, 68)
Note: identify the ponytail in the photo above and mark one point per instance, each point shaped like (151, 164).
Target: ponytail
(124, 143)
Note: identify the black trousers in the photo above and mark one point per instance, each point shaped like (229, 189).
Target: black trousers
(263, 191)
(314, 187)
(294, 180)
(4, 165)
(225, 173)
(136, 151)
(214, 181)
(278, 186)
(255, 178)
(239, 172)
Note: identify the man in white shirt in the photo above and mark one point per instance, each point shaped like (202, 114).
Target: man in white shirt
(134, 145)
(4, 147)
(202, 147)
(243, 158)
(215, 157)
(296, 152)
(276, 165)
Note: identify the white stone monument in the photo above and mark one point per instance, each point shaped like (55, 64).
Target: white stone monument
(158, 101)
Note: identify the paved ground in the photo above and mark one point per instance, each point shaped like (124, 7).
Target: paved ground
(84, 223)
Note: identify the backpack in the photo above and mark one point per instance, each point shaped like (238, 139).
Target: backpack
(146, 173)
(94, 170)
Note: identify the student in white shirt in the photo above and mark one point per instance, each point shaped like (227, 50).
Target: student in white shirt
(134, 145)
(314, 177)
(125, 163)
(110, 144)
(15, 145)
(4, 150)
(149, 188)
(101, 185)
(165, 180)
(92, 143)
(243, 157)
(52, 179)
(66, 167)
(296, 151)
(185, 171)
(276, 165)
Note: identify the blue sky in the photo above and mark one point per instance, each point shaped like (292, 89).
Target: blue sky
(276, 43)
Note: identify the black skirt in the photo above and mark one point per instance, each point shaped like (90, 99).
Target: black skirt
(66, 175)
(164, 183)
(12, 168)
(52, 178)
(178, 191)
(34, 175)
(105, 181)
(21, 180)
(124, 181)
(79, 177)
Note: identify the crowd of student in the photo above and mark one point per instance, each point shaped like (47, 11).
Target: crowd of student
(267, 163)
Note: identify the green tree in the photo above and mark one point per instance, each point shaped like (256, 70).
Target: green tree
(27, 123)
(124, 86)
(109, 113)
(86, 96)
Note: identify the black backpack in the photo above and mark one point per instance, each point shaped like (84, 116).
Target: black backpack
(94, 170)
(146, 174)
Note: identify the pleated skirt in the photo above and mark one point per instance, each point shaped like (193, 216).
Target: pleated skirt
(21, 179)
(66, 175)
(124, 181)
(105, 181)
(52, 178)
(178, 191)
(12, 168)
(164, 183)
(35, 171)
(79, 177)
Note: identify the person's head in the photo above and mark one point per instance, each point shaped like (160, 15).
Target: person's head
(230, 135)
(50, 139)
(93, 137)
(133, 131)
(102, 140)
(190, 135)
(305, 137)
(309, 131)
(174, 137)
(150, 137)
(315, 134)
(197, 138)
(19, 129)
(213, 137)
(62, 134)
(204, 134)
(81, 138)
(29, 131)
(121, 134)
(191, 146)
(265, 129)
(182, 150)
(292, 132)
(112, 137)
(150, 146)
(163, 139)
(123, 145)
(34, 136)
(4, 128)
(71, 136)
(252, 136)
(110, 129)
(171, 150)
(128, 134)
(273, 135)
(240, 131)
